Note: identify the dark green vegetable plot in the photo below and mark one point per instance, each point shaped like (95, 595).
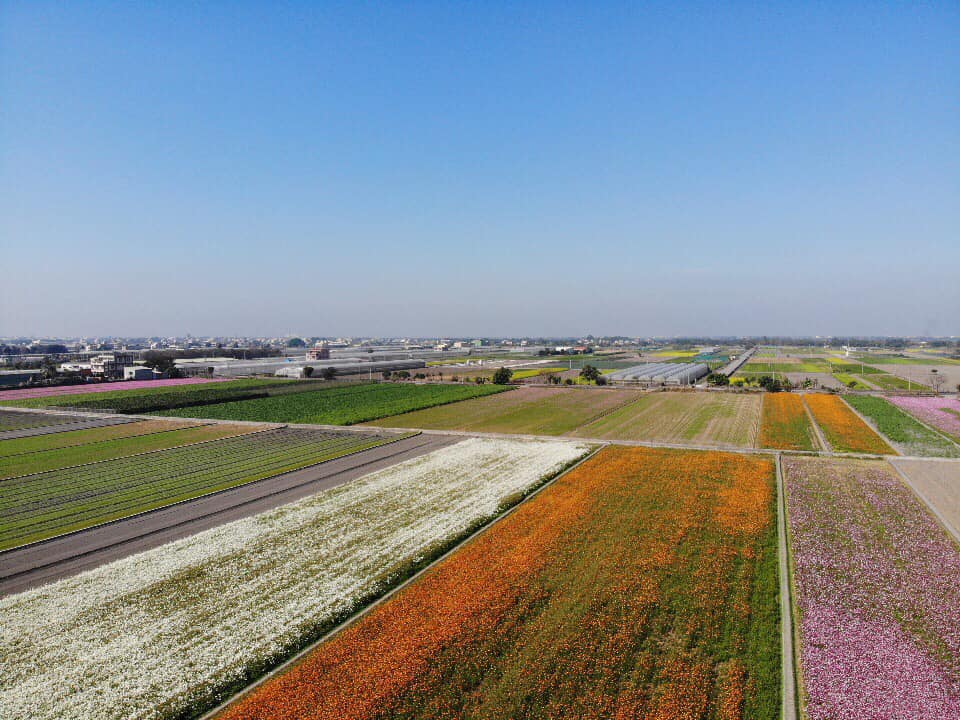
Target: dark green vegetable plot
(343, 405)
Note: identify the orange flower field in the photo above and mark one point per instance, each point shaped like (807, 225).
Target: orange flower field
(641, 584)
(785, 424)
(843, 428)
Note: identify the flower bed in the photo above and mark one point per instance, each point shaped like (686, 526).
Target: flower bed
(165, 633)
(641, 584)
(942, 413)
(902, 428)
(843, 429)
(877, 594)
(785, 424)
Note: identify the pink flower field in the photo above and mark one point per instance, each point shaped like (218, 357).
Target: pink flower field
(877, 592)
(27, 393)
(942, 413)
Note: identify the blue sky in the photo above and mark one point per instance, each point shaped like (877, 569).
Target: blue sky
(479, 168)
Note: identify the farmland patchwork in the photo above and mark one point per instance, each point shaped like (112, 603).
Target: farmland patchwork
(641, 584)
(167, 632)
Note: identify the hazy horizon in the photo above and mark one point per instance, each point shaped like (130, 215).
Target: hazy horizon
(427, 169)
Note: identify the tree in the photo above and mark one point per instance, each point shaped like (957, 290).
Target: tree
(164, 364)
(718, 379)
(386, 374)
(480, 380)
(770, 384)
(329, 373)
(589, 373)
(49, 369)
(308, 371)
(296, 342)
(568, 381)
(601, 380)
(502, 376)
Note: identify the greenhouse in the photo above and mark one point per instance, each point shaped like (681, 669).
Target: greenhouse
(661, 373)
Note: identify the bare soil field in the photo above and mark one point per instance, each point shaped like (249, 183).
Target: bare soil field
(682, 417)
(939, 483)
(921, 374)
(529, 410)
(825, 380)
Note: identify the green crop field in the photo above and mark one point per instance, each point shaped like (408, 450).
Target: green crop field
(108, 449)
(903, 429)
(771, 368)
(529, 410)
(857, 382)
(150, 399)
(891, 382)
(340, 405)
(707, 418)
(852, 368)
(40, 443)
(51, 503)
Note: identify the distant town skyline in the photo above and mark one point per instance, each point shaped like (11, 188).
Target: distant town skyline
(487, 170)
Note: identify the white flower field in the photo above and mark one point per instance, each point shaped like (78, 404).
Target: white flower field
(175, 628)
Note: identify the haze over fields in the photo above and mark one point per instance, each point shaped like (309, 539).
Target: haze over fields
(420, 169)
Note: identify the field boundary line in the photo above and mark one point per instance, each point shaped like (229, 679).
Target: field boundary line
(788, 673)
(662, 444)
(181, 502)
(931, 428)
(870, 424)
(758, 422)
(362, 612)
(951, 530)
(824, 445)
(604, 413)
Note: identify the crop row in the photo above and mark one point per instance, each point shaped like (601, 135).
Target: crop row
(877, 592)
(54, 459)
(642, 584)
(341, 405)
(51, 503)
(166, 633)
(86, 436)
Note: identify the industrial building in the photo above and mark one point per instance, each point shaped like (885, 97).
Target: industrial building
(139, 372)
